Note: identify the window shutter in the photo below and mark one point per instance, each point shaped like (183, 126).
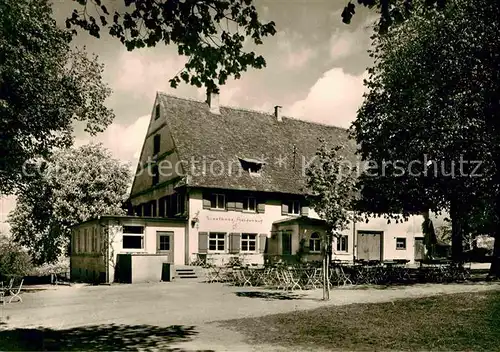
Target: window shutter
(261, 207)
(203, 242)
(304, 211)
(284, 209)
(262, 242)
(346, 243)
(234, 243)
(206, 201)
(238, 205)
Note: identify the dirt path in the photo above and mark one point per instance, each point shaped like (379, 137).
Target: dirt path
(144, 310)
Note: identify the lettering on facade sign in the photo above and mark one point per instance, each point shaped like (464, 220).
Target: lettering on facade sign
(235, 221)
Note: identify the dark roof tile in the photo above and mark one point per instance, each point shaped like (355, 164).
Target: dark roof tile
(218, 140)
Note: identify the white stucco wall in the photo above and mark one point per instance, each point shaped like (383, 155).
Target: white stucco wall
(235, 221)
(408, 229)
(96, 262)
(229, 221)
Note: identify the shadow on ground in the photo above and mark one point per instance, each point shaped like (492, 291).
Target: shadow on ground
(109, 337)
(284, 296)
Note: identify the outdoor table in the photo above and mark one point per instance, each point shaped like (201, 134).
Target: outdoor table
(256, 275)
(217, 273)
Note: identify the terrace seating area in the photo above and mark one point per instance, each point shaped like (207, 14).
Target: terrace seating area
(283, 276)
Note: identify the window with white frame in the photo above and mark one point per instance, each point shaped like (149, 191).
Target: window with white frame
(315, 242)
(248, 242)
(133, 237)
(164, 241)
(342, 241)
(400, 243)
(216, 241)
(217, 201)
(249, 204)
(293, 207)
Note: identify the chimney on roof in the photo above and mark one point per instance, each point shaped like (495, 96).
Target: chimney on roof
(277, 113)
(213, 101)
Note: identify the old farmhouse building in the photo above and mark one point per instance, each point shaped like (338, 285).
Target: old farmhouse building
(215, 182)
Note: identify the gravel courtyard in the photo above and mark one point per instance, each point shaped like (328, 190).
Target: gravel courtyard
(170, 315)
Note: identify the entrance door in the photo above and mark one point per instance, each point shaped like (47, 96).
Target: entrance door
(286, 243)
(165, 244)
(419, 248)
(369, 245)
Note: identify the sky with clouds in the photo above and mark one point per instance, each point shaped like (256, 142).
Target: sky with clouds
(315, 70)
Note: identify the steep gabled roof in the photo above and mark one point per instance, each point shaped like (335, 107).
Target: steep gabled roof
(219, 140)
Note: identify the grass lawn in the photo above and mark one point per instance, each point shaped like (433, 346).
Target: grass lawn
(458, 322)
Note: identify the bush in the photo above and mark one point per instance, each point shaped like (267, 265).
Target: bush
(14, 261)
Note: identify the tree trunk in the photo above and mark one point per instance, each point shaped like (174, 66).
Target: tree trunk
(327, 278)
(325, 293)
(456, 232)
(327, 239)
(495, 259)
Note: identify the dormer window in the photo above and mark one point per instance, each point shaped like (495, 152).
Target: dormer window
(252, 166)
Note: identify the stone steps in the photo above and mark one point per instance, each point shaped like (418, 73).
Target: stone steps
(186, 272)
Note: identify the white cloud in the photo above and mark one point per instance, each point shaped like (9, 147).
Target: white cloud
(344, 43)
(298, 59)
(144, 73)
(294, 56)
(334, 99)
(124, 141)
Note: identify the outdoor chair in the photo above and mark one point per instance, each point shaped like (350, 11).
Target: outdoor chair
(210, 275)
(14, 292)
(5, 290)
(317, 278)
(201, 260)
(308, 278)
(342, 276)
(242, 278)
(294, 279)
(281, 280)
(268, 279)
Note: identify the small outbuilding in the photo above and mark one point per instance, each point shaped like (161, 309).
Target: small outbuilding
(126, 249)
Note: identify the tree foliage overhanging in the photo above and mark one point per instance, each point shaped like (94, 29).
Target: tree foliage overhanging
(392, 12)
(426, 103)
(68, 188)
(433, 103)
(211, 33)
(44, 87)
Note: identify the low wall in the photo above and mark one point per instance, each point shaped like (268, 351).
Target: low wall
(140, 268)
